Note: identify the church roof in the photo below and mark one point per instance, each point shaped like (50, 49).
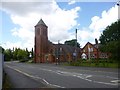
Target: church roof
(41, 22)
(67, 48)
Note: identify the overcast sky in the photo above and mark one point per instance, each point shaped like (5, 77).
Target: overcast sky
(62, 18)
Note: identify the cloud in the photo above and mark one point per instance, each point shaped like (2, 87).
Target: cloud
(84, 36)
(8, 45)
(59, 22)
(24, 8)
(100, 23)
(58, 0)
(26, 1)
(72, 2)
(26, 15)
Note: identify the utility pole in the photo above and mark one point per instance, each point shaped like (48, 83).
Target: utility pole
(58, 52)
(76, 45)
(57, 59)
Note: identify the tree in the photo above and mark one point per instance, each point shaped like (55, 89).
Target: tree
(15, 54)
(22, 54)
(27, 53)
(110, 40)
(1, 50)
(32, 53)
(8, 54)
(72, 43)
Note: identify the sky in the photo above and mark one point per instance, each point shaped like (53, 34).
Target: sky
(17, 20)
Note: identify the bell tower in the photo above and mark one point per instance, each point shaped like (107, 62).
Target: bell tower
(41, 42)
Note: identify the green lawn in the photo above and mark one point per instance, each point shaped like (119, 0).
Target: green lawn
(93, 63)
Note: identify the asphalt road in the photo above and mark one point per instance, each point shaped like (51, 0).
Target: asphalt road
(57, 76)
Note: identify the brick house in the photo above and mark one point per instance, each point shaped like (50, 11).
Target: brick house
(91, 51)
(46, 51)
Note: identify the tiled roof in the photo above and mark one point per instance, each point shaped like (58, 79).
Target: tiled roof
(94, 45)
(41, 22)
(67, 48)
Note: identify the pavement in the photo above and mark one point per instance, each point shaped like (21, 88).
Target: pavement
(24, 75)
(19, 80)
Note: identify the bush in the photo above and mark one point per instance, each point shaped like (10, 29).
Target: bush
(23, 60)
(95, 63)
(30, 61)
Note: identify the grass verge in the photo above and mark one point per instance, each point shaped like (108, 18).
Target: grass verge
(91, 63)
(6, 81)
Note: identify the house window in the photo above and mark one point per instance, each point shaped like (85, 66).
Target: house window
(91, 49)
(83, 50)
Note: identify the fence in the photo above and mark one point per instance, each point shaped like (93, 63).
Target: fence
(1, 70)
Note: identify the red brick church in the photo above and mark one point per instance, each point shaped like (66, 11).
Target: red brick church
(46, 51)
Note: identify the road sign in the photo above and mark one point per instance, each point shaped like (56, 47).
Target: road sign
(74, 54)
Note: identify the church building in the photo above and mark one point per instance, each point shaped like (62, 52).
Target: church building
(46, 51)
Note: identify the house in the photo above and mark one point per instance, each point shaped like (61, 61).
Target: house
(46, 51)
(91, 51)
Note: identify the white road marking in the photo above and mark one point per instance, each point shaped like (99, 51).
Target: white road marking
(105, 83)
(70, 74)
(88, 76)
(64, 73)
(45, 81)
(81, 70)
(78, 75)
(116, 81)
(84, 77)
(57, 86)
(36, 77)
(88, 80)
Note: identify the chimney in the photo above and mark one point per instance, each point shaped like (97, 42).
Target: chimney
(96, 41)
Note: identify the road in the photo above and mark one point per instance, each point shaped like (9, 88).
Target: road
(58, 76)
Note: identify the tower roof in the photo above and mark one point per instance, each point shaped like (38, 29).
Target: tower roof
(41, 22)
